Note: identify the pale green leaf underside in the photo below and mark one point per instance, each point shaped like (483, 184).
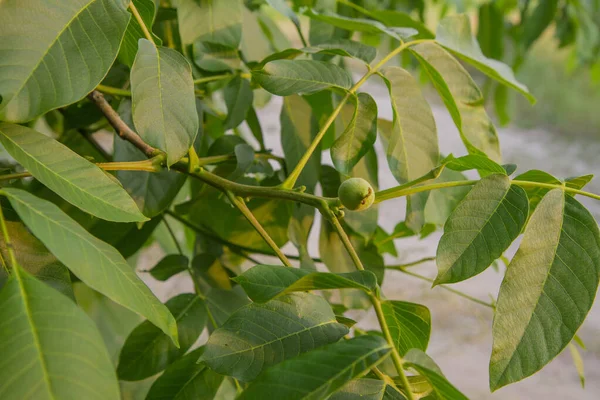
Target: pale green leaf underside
(462, 97)
(443, 389)
(264, 282)
(50, 348)
(215, 21)
(316, 374)
(286, 77)
(259, 335)
(163, 100)
(548, 289)
(97, 264)
(55, 52)
(409, 324)
(72, 177)
(333, 46)
(454, 33)
(481, 228)
(358, 137)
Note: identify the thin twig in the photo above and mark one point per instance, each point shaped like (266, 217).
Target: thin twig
(7, 242)
(241, 205)
(124, 131)
(411, 264)
(141, 22)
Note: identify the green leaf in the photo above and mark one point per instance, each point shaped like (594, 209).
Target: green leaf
(265, 282)
(218, 22)
(54, 349)
(286, 77)
(548, 289)
(535, 194)
(490, 30)
(282, 7)
(578, 182)
(238, 98)
(222, 303)
(367, 389)
(186, 379)
(299, 377)
(297, 134)
(462, 97)
(358, 137)
(473, 161)
(153, 192)
(148, 350)
(412, 144)
(69, 57)
(96, 263)
(345, 48)
(35, 258)
(215, 57)
(481, 228)
(170, 265)
(536, 23)
(164, 105)
(441, 387)
(134, 32)
(360, 25)
(210, 272)
(401, 19)
(454, 33)
(409, 324)
(254, 337)
(72, 177)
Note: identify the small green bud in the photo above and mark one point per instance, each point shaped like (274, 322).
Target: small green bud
(356, 194)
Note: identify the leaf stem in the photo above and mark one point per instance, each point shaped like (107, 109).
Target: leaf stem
(396, 358)
(19, 175)
(293, 176)
(457, 292)
(555, 186)
(411, 264)
(113, 91)
(9, 246)
(141, 22)
(241, 205)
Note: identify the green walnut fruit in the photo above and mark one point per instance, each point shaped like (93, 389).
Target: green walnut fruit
(356, 194)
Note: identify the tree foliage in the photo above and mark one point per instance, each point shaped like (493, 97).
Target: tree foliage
(180, 83)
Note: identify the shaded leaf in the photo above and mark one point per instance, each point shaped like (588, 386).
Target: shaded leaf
(222, 303)
(48, 339)
(164, 105)
(402, 19)
(256, 336)
(170, 265)
(481, 228)
(490, 31)
(536, 193)
(358, 137)
(286, 77)
(548, 289)
(69, 57)
(443, 389)
(367, 389)
(238, 98)
(442, 202)
(72, 177)
(148, 350)
(473, 161)
(96, 263)
(454, 33)
(409, 324)
(462, 98)
(186, 379)
(219, 22)
(265, 282)
(541, 17)
(338, 363)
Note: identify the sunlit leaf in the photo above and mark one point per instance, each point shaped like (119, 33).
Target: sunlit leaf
(481, 228)
(548, 289)
(53, 55)
(164, 107)
(454, 33)
(265, 282)
(462, 97)
(148, 350)
(254, 337)
(338, 363)
(358, 137)
(473, 161)
(96, 263)
(54, 349)
(72, 177)
(409, 324)
(286, 77)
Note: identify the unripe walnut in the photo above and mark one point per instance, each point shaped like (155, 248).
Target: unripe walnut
(356, 194)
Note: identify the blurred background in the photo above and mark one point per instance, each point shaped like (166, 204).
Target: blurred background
(558, 61)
